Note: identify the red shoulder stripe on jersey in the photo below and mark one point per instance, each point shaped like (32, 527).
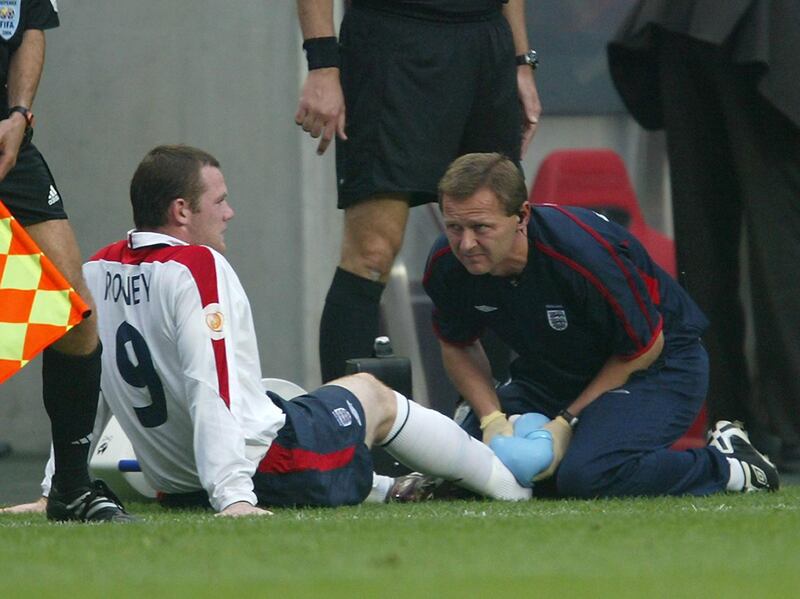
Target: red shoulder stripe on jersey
(604, 291)
(439, 253)
(282, 460)
(200, 262)
(111, 252)
(628, 277)
(652, 287)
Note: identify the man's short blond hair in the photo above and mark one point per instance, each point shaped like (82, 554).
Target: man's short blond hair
(495, 172)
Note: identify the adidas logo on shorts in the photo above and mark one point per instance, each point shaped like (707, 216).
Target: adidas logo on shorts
(53, 197)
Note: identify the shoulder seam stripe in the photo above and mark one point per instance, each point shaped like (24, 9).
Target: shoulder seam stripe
(626, 273)
(438, 254)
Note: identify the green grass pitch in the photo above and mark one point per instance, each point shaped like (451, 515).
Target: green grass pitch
(720, 546)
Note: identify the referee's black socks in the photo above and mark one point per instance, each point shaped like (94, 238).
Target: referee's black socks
(71, 388)
(350, 322)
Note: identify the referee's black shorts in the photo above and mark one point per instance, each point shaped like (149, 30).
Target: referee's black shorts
(29, 191)
(418, 94)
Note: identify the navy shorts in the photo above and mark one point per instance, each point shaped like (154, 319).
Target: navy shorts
(319, 457)
(419, 94)
(29, 191)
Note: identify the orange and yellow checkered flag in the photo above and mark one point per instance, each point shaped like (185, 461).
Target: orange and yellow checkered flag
(37, 304)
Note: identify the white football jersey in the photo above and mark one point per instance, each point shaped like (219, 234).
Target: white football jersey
(181, 370)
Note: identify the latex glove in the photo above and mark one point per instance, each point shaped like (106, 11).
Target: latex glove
(495, 424)
(561, 432)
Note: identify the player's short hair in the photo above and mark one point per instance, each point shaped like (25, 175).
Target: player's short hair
(165, 174)
(495, 172)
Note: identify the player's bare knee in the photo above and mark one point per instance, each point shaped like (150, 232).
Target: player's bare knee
(366, 387)
(383, 407)
(377, 400)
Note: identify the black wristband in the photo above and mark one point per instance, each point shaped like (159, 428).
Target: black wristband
(26, 114)
(321, 52)
(567, 415)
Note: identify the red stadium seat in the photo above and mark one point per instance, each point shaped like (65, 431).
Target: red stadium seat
(598, 179)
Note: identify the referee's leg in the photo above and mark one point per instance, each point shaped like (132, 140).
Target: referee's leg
(373, 236)
(56, 239)
(71, 366)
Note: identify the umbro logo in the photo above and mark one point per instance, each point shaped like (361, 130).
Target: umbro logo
(761, 476)
(483, 308)
(354, 412)
(53, 197)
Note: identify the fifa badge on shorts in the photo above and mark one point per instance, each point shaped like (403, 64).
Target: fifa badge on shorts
(557, 318)
(9, 18)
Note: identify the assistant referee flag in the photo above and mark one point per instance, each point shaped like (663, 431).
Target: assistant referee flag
(37, 304)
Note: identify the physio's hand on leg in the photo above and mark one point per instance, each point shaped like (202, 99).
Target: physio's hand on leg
(561, 433)
(495, 424)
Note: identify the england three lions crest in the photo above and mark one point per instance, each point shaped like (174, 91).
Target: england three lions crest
(557, 319)
(9, 18)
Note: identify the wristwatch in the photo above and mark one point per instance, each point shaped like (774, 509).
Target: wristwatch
(25, 112)
(567, 415)
(529, 58)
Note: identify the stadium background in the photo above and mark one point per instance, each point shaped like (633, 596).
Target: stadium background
(122, 76)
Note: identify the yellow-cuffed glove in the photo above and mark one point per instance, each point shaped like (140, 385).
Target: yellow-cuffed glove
(495, 424)
(561, 432)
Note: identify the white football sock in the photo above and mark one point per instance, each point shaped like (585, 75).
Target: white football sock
(380, 488)
(736, 479)
(431, 443)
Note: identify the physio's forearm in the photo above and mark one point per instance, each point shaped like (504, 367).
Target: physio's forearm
(469, 370)
(615, 373)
